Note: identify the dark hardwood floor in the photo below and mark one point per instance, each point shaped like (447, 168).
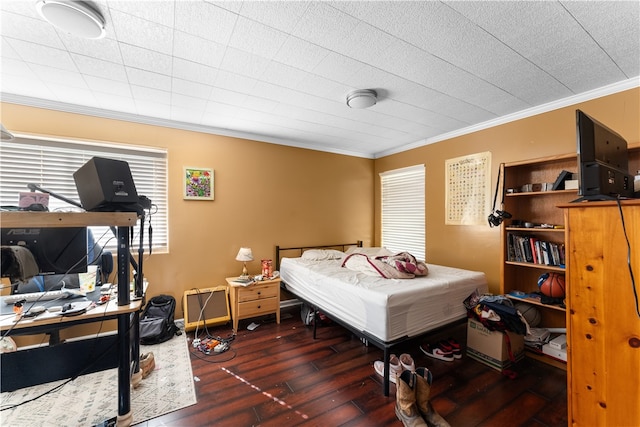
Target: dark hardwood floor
(278, 375)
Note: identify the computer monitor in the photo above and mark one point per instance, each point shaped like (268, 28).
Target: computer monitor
(603, 162)
(55, 250)
(106, 185)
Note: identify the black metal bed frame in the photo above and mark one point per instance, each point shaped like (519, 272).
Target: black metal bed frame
(385, 346)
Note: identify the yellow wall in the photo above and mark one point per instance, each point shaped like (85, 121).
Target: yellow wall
(267, 194)
(478, 247)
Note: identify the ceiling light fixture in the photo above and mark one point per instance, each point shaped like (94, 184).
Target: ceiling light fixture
(6, 135)
(363, 98)
(74, 17)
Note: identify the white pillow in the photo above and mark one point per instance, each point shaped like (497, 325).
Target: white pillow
(370, 252)
(321, 254)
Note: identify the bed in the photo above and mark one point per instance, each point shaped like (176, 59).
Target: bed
(384, 312)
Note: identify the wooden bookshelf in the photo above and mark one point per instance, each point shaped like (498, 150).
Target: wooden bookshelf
(537, 208)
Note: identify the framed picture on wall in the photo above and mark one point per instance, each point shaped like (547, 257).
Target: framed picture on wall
(197, 183)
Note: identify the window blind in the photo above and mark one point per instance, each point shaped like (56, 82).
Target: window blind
(403, 210)
(50, 164)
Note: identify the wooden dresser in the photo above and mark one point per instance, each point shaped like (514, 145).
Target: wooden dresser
(603, 328)
(255, 300)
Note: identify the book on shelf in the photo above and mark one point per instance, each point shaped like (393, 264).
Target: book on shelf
(521, 248)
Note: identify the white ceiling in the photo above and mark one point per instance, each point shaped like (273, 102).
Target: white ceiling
(280, 71)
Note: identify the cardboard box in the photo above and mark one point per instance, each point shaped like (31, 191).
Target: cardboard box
(490, 347)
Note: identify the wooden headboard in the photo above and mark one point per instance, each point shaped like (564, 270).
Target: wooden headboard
(298, 250)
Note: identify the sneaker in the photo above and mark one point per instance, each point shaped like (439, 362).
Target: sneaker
(456, 350)
(395, 368)
(407, 362)
(437, 352)
(448, 347)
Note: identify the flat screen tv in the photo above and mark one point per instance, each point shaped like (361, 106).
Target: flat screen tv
(603, 162)
(55, 250)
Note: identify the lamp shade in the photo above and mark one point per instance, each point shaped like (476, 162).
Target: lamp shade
(244, 254)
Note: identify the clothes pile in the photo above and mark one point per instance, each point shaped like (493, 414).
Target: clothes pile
(496, 313)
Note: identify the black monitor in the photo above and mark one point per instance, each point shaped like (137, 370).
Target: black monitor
(106, 185)
(55, 250)
(603, 162)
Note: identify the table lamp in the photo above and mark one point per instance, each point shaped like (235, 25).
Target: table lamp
(244, 255)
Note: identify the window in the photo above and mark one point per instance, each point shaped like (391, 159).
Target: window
(50, 164)
(403, 210)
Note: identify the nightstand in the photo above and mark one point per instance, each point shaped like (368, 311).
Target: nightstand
(257, 299)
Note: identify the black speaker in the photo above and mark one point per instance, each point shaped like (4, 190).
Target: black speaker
(106, 185)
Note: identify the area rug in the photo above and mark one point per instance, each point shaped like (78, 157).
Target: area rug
(92, 399)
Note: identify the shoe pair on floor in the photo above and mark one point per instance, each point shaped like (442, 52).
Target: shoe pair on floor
(413, 406)
(446, 350)
(396, 366)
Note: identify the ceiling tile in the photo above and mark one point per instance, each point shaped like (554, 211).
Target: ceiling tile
(300, 54)
(324, 26)
(43, 55)
(102, 85)
(620, 22)
(256, 38)
(142, 33)
(150, 95)
(73, 94)
(158, 11)
(148, 79)
(190, 88)
(194, 72)
(204, 20)
(58, 76)
(283, 75)
(284, 17)
(244, 63)
(29, 29)
(196, 49)
(144, 59)
(99, 68)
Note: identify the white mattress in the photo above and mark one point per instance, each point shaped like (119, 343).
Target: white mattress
(387, 309)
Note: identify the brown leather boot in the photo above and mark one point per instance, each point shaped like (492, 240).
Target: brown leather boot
(406, 409)
(147, 364)
(423, 389)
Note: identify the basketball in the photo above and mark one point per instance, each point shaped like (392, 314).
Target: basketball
(530, 313)
(552, 285)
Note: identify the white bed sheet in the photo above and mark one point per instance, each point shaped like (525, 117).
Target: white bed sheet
(387, 309)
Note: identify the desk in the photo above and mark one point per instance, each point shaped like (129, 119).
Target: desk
(29, 367)
(126, 312)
